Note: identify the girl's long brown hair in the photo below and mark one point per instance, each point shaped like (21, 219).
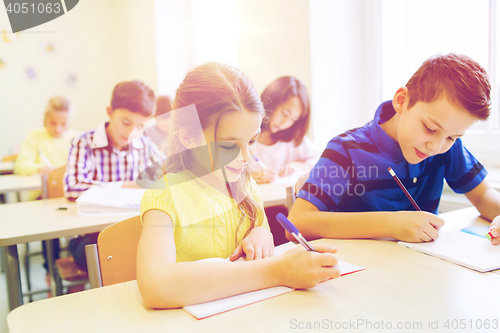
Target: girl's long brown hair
(278, 92)
(215, 89)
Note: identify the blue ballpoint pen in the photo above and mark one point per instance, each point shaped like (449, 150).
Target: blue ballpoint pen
(288, 226)
(259, 162)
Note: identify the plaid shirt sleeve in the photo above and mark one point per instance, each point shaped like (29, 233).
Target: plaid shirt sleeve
(80, 168)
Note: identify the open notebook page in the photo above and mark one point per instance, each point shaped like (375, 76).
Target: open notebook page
(463, 249)
(211, 308)
(103, 201)
(128, 198)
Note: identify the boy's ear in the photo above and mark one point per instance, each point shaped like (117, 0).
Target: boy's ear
(109, 111)
(400, 100)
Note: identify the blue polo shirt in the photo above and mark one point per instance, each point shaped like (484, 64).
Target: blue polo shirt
(352, 175)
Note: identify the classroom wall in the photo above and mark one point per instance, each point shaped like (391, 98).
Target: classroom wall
(265, 39)
(105, 42)
(101, 42)
(345, 69)
(136, 20)
(274, 40)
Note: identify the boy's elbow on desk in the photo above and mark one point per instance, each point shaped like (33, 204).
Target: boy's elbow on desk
(300, 217)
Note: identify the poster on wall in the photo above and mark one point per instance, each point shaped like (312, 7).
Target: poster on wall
(71, 80)
(30, 73)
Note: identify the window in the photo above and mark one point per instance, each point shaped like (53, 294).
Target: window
(191, 32)
(413, 30)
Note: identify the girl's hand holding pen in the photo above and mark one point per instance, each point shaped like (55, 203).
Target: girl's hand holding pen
(287, 170)
(301, 269)
(44, 170)
(263, 176)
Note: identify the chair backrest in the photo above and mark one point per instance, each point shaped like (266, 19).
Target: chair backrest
(117, 248)
(291, 191)
(9, 158)
(301, 182)
(52, 184)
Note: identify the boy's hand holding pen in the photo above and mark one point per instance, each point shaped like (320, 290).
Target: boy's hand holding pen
(415, 227)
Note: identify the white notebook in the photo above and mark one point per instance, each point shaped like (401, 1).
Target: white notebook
(463, 249)
(100, 201)
(211, 308)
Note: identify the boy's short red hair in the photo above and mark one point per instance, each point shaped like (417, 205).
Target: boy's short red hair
(461, 79)
(134, 96)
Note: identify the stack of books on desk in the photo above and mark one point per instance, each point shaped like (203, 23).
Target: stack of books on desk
(101, 201)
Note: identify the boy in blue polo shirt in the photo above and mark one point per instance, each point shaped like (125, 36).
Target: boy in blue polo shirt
(350, 193)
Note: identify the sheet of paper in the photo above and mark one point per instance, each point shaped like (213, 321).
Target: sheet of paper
(90, 210)
(129, 198)
(463, 249)
(208, 309)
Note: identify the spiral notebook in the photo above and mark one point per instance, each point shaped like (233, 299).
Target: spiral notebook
(207, 309)
(463, 249)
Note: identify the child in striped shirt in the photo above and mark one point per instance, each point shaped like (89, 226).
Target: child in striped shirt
(350, 193)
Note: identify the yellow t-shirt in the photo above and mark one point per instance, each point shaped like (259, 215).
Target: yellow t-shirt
(204, 219)
(29, 161)
(55, 149)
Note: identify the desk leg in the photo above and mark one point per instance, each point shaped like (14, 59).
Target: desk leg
(11, 260)
(55, 280)
(2, 259)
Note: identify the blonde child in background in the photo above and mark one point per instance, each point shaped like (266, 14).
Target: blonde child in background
(47, 148)
(282, 146)
(210, 207)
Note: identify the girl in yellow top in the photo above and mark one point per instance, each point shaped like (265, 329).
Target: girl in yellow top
(206, 205)
(47, 148)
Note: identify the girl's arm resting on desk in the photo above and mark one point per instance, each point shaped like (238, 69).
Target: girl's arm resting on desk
(257, 245)
(163, 283)
(408, 226)
(487, 201)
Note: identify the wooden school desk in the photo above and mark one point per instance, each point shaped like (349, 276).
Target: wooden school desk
(16, 183)
(273, 194)
(6, 167)
(400, 288)
(39, 220)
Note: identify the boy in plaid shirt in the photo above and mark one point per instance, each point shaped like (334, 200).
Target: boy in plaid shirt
(104, 156)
